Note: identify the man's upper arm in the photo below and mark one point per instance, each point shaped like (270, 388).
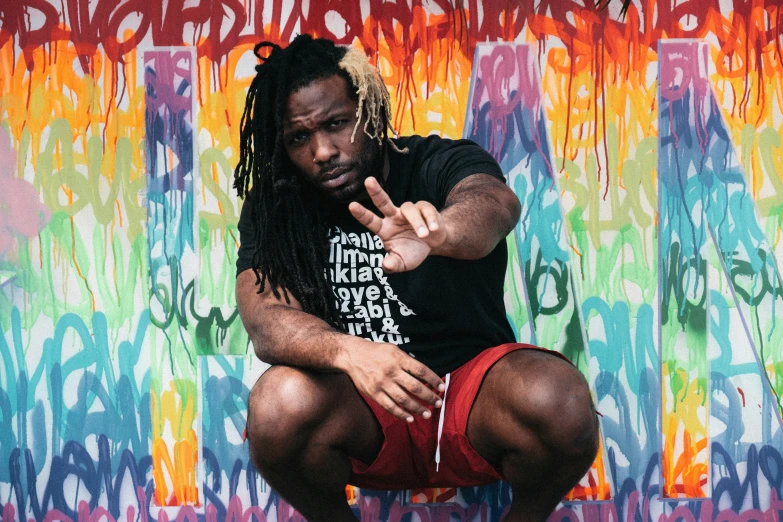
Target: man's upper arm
(450, 162)
(253, 305)
(247, 238)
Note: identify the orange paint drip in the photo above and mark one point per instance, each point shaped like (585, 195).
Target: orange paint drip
(217, 181)
(175, 479)
(594, 485)
(432, 495)
(175, 464)
(685, 477)
(119, 211)
(76, 265)
(350, 494)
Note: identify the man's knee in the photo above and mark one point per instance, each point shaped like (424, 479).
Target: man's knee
(553, 400)
(284, 408)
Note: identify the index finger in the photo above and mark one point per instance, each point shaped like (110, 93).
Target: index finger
(365, 217)
(425, 375)
(380, 198)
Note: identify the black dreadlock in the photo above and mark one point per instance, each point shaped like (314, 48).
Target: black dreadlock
(291, 238)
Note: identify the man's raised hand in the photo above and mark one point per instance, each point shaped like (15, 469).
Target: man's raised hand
(409, 232)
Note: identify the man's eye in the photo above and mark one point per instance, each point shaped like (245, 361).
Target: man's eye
(334, 124)
(298, 138)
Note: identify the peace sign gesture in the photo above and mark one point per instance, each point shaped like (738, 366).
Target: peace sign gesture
(409, 232)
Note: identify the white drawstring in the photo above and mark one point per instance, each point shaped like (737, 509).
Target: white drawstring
(440, 421)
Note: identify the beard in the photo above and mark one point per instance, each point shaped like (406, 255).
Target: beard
(369, 163)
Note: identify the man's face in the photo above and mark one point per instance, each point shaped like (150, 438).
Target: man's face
(317, 128)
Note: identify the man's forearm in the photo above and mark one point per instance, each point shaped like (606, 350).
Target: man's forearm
(479, 213)
(282, 333)
(285, 335)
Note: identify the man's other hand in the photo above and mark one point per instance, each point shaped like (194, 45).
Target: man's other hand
(409, 232)
(399, 383)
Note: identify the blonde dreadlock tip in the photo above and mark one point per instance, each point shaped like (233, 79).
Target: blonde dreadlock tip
(371, 91)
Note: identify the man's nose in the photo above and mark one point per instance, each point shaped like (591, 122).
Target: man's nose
(323, 148)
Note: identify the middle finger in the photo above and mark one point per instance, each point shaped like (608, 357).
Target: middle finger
(379, 197)
(420, 390)
(404, 400)
(413, 216)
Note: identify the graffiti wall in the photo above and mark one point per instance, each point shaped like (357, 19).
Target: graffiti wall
(646, 149)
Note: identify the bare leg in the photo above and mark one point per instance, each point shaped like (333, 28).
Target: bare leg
(534, 421)
(302, 428)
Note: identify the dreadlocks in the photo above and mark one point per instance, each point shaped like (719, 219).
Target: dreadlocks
(291, 238)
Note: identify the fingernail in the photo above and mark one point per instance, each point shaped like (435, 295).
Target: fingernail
(426, 414)
(433, 226)
(441, 387)
(422, 231)
(438, 403)
(409, 419)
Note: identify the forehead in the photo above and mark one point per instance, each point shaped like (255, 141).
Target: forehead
(319, 99)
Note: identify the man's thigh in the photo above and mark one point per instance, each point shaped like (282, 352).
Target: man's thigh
(517, 398)
(323, 408)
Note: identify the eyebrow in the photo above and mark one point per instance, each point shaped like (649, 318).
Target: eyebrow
(338, 113)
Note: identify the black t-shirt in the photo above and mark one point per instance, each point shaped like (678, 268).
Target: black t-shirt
(445, 311)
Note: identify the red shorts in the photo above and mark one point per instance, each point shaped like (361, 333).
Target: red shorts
(407, 457)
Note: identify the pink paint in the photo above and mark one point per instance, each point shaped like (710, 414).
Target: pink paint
(504, 69)
(683, 65)
(369, 509)
(445, 513)
(187, 513)
(9, 512)
(603, 511)
(497, 69)
(633, 501)
(141, 495)
(370, 512)
(237, 513)
(56, 515)
(286, 513)
(563, 513)
(683, 68)
(254, 511)
(21, 212)
(397, 511)
(100, 514)
(166, 80)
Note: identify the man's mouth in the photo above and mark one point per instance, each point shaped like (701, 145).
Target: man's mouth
(336, 177)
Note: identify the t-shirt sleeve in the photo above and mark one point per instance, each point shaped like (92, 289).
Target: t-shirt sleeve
(451, 161)
(247, 237)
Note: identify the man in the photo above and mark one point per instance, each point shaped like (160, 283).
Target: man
(370, 275)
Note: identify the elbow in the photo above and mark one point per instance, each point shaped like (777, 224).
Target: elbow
(508, 219)
(514, 210)
(510, 216)
(263, 351)
(265, 355)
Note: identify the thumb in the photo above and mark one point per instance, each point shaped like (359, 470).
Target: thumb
(393, 263)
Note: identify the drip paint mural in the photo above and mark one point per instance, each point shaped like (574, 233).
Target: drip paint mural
(647, 153)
